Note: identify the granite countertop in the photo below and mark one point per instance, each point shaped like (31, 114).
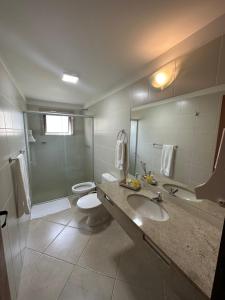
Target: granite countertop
(191, 236)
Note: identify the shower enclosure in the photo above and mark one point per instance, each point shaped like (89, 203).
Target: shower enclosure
(60, 153)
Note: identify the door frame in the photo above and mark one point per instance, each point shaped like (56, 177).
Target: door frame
(221, 127)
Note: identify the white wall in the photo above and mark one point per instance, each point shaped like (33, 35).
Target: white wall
(11, 142)
(111, 115)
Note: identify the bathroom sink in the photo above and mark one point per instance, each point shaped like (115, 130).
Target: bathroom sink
(145, 207)
(181, 192)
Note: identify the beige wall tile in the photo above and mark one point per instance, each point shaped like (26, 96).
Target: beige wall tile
(111, 116)
(6, 184)
(11, 141)
(9, 263)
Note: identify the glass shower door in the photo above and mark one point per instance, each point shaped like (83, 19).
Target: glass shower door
(78, 151)
(56, 162)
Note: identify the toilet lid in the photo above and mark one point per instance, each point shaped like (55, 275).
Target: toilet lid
(88, 201)
(83, 187)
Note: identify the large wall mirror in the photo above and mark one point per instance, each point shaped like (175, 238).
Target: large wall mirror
(190, 124)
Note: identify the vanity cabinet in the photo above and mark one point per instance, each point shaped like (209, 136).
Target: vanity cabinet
(168, 278)
(131, 229)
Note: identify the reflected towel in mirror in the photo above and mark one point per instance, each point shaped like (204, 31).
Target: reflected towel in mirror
(167, 160)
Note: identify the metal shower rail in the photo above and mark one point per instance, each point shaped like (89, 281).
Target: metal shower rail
(56, 114)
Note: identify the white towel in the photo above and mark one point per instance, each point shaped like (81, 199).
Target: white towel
(21, 183)
(167, 160)
(120, 154)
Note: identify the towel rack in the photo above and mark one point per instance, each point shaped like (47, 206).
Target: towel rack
(12, 159)
(161, 145)
(122, 135)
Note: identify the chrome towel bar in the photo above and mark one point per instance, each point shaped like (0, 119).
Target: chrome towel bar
(12, 159)
(161, 145)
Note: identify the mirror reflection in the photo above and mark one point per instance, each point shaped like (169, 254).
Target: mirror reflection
(176, 139)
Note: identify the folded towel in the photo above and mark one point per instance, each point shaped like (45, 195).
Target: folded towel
(167, 160)
(21, 183)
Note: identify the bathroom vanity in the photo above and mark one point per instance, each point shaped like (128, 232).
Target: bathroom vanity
(182, 236)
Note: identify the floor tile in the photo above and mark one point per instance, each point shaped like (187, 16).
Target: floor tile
(85, 284)
(68, 245)
(42, 233)
(104, 249)
(44, 278)
(78, 219)
(139, 268)
(125, 291)
(63, 217)
(30, 259)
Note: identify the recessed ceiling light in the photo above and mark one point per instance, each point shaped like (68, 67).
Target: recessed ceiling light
(70, 78)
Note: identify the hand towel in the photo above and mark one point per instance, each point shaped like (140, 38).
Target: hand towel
(167, 160)
(21, 183)
(119, 154)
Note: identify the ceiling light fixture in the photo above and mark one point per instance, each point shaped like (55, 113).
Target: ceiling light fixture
(70, 78)
(162, 78)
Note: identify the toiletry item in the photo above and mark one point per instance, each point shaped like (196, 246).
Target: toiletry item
(131, 184)
(135, 183)
(149, 179)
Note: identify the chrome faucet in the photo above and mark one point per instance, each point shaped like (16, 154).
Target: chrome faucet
(173, 191)
(158, 198)
(143, 165)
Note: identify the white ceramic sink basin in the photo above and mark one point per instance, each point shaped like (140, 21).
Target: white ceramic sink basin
(180, 192)
(145, 207)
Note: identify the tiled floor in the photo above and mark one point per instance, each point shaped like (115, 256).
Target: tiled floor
(65, 262)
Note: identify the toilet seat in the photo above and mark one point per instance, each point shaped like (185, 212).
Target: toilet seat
(89, 201)
(83, 188)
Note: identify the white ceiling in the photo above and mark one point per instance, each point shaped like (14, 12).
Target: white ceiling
(103, 41)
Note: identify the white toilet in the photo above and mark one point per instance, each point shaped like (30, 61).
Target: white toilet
(83, 188)
(90, 204)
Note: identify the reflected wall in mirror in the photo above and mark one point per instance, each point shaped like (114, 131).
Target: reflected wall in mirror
(189, 123)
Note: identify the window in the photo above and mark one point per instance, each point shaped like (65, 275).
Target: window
(58, 125)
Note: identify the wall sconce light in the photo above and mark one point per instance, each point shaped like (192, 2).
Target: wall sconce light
(162, 78)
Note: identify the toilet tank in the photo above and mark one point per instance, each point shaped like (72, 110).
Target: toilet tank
(106, 177)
